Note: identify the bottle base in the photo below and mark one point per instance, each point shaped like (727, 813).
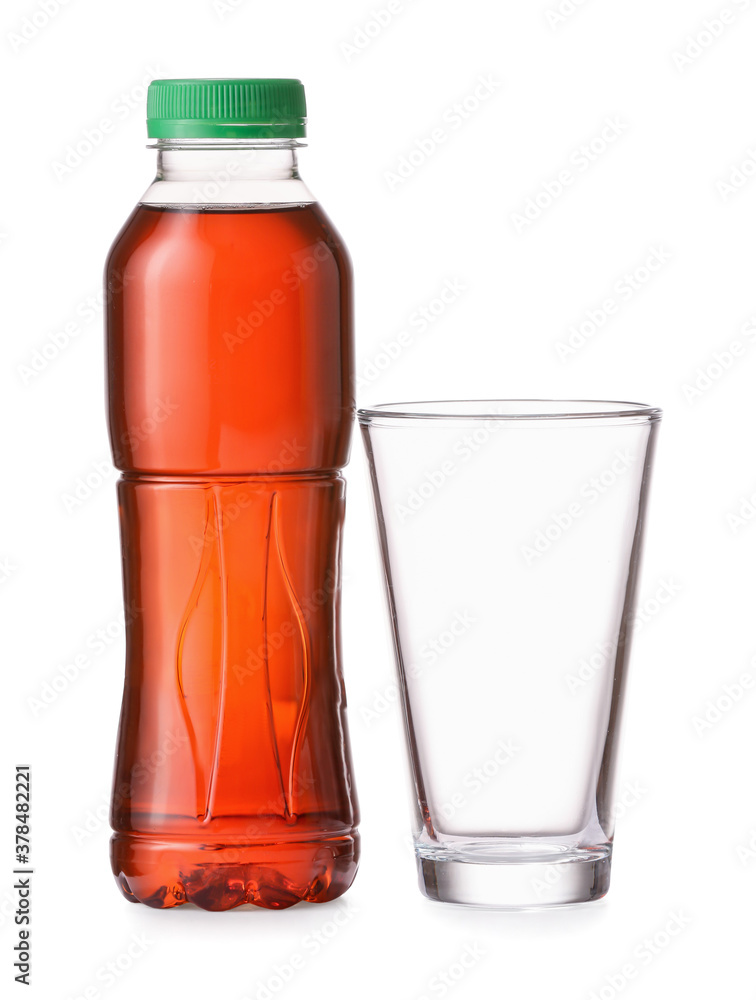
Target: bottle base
(163, 874)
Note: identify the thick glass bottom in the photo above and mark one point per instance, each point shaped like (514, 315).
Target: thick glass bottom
(529, 879)
(164, 874)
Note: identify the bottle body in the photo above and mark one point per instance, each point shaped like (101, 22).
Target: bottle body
(230, 408)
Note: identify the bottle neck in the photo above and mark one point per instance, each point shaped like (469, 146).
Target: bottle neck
(229, 172)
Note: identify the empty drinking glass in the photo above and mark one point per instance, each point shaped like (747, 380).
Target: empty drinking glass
(511, 533)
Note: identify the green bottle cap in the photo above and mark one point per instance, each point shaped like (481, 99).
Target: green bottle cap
(226, 109)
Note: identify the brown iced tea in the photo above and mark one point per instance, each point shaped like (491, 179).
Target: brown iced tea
(230, 404)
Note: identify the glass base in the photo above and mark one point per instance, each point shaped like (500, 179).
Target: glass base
(525, 882)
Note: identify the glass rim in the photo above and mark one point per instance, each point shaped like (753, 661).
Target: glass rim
(517, 409)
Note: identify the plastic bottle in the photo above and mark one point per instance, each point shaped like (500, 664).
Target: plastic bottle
(229, 354)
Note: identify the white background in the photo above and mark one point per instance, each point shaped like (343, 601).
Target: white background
(685, 126)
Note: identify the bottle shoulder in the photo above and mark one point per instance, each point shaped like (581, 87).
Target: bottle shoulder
(225, 190)
(171, 237)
